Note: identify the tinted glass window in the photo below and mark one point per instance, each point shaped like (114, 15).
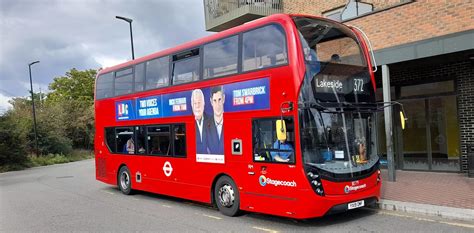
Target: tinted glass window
(179, 133)
(159, 140)
(124, 82)
(221, 57)
(267, 147)
(157, 73)
(124, 140)
(140, 131)
(105, 86)
(140, 77)
(186, 70)
(264, 47)
(110, 139)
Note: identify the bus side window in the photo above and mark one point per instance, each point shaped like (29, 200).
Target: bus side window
(125, 140)
(158, 140)
(179, 137)
(105, 86)
(140, 77)
(186, 67)
(267, 147)
(110, 139)
(140, 144)
(124, 81)
(157, 73)
(264, 47)
(221, 57)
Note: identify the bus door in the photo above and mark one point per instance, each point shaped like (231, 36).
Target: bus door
(165, 150)
(272, 171)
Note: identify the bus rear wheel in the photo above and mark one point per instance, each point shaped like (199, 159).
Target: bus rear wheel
(124, 181)
(227, 196)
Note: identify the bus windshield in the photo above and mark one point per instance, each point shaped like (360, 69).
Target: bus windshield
(338, 142)
(336, 99)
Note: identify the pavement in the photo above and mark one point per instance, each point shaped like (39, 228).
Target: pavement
(446, 195)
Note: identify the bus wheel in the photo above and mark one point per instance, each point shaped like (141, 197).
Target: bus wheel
(124, 181)
(227, 196)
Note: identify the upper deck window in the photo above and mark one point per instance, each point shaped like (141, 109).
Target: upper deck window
(140, 77)
(186, 66)
(264, 47)
(124, 81)
(157, 73)
(221, 57)
(105, 86)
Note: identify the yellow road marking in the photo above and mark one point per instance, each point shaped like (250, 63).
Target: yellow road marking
(459, 224)
(210, 216)
(111, 193)
(265, 229)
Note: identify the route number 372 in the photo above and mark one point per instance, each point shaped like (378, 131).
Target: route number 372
(358, 85)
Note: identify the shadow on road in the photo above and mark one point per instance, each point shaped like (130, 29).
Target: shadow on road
(345, 217)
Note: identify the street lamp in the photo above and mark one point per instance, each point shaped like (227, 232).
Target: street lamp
(33, 104)
(129, 21)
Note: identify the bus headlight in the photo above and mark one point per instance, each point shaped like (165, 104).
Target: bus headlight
(315, 181)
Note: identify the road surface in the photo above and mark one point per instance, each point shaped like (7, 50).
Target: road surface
(66, 197)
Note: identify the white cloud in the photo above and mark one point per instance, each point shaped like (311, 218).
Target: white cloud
(4, 105)
(85, 35)
(108, 61)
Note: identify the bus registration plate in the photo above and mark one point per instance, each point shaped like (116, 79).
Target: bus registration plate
(356, 204)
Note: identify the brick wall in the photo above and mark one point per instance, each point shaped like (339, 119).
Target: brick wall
(465, 73)
(409, 73)
(407, 23)
(318, 7)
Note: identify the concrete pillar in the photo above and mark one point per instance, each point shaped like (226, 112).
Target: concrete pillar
(388, 122)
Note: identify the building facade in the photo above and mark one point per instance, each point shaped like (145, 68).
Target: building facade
(428, 48)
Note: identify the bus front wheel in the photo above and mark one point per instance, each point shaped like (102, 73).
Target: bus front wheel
(124, 181)
(227, 196)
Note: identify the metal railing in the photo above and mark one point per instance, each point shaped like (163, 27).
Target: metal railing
(221, 11)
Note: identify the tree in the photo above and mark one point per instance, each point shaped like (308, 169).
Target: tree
(74, 92)
(76, 85)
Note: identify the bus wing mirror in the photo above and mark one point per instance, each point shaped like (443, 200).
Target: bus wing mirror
(281, 130)
(402, 119)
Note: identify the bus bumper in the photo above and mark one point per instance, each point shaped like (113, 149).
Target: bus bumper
(317, 206)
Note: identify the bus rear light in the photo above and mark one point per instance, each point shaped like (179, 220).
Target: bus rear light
(378, 176)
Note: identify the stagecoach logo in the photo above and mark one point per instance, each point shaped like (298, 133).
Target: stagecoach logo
(264, 181)
(354, 187)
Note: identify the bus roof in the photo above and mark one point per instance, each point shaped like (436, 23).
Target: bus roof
(204, 40)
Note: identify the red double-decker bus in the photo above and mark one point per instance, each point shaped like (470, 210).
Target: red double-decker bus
(274, 116)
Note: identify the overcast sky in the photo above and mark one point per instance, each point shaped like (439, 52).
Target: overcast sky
(84, 34)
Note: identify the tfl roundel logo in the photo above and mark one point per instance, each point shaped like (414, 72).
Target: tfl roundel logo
(263, 180)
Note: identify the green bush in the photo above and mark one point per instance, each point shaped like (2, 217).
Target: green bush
(12, 147)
